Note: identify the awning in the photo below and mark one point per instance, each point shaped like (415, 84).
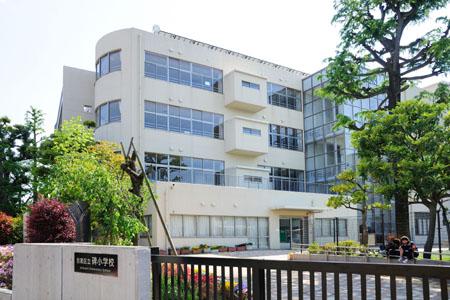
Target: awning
(299, 208)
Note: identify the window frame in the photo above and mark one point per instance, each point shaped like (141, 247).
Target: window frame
(98, 65)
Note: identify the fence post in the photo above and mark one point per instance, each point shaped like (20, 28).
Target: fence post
(156, 275)
(259, 287)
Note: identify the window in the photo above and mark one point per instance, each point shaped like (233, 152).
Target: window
(250, 85)
(108, 112)
(108, 63)
(325, 227)
(183, 72)
(183, 120)
(283, 96)
(164, 167)
(252, 179)
(251, 131)
(256, 229)
(148, 223)
(283, 179)
(285, 137)
(422, 220)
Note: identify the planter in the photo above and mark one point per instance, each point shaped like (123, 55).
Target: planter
(356, 258)
(223, 249)
(185, 251)
(196, 251)
(249, 247)
(206, 250)
(318, 257)
(214, 251)
(231, 249)
(337, 257)
(241, 248)
(298, 256)
(378, 260)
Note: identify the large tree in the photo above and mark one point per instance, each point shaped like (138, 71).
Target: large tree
(374, 58)
(412, 143)
(14, 170)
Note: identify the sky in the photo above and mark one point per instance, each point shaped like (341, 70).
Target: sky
(39, 37)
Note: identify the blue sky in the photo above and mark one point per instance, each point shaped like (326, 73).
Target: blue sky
(38, 37)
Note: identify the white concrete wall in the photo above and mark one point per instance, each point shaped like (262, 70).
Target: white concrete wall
(46, 272)
(5, 294)
(77, 91)
(197, 199)
(421, 239)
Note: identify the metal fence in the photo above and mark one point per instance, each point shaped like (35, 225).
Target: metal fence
(194, 277)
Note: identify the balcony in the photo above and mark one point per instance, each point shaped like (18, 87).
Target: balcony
(245, 91)
(244, 136)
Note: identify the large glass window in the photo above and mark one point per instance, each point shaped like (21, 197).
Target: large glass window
(184, 120)
(109, 62)
(285, 137)
(256, 229)
(108, 112)
(326, 227)
(284, 179)
(183, 72)
(283, 96)
(174, 168)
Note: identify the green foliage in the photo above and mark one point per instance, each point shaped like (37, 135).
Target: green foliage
(73, 136)
(373, 48)
(93, 175)
(15, 144)
(34, 121)
(408, 148)
(314, 248)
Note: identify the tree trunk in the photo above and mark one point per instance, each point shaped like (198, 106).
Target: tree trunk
(402, 214)
(364, 233)
(445, 220)
(431, 231)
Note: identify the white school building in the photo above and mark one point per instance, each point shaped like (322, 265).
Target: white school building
(224, 137)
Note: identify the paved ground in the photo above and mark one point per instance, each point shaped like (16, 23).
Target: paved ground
(282, 255)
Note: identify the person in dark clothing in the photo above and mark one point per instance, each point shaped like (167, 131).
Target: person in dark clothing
(393, 247)
(408, 250)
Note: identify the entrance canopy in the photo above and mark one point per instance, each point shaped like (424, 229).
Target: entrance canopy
(299, 209)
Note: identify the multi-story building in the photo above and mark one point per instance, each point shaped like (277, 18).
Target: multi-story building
(222, 137)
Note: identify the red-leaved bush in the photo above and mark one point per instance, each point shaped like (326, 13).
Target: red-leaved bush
(6, 228)
(50, 222)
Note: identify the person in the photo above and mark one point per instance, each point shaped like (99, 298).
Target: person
(392, 248)
(408, 250)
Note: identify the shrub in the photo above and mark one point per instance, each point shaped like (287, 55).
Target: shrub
(17, 235)
(6, 228)
(50, 222)
(6, 266)
(314, 248)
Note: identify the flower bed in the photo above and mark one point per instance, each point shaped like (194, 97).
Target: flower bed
(6, 266)
(200, 279)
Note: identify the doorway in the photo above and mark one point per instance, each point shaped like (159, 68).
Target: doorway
(293, 230)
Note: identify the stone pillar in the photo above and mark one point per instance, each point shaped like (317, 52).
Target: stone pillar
(48, 272)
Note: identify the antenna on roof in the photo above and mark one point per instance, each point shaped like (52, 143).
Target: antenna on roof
(156, 28)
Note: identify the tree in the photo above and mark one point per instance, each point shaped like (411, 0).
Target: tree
(409, 147)
(95, 177)
(34, 121)
(375, 59)
(14, 153)
(353, 193)
(83, 170)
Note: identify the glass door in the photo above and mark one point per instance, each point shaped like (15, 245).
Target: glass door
(296, 230)
(285, 233)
